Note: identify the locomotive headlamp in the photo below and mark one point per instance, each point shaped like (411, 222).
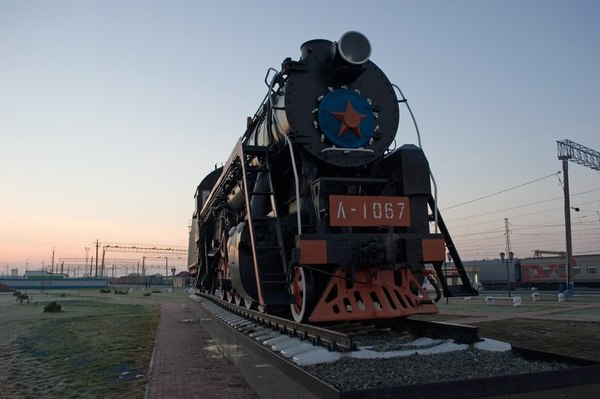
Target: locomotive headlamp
(353, 47)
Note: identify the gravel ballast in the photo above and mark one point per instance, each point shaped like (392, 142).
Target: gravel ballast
(420, 369)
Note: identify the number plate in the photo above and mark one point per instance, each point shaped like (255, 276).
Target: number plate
(350, 210)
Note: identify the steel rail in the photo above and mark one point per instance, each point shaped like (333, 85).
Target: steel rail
(333, 340)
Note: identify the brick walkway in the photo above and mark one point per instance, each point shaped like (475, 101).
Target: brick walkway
(187, 364)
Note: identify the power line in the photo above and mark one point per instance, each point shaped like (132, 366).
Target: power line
(473, 243)
(518, 228)
(501, 192)
(525, 205)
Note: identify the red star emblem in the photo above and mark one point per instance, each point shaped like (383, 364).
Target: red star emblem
(350, 120)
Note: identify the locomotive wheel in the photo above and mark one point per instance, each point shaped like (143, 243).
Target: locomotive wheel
(302, 288)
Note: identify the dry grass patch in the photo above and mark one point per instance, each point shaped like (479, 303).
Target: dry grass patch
(91, 348)
(578, 339)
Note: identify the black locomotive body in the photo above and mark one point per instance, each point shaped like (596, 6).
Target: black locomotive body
(314, 211)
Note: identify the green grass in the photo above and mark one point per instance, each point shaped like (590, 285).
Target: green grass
(577, 339)
(99, 345)
(571, 338)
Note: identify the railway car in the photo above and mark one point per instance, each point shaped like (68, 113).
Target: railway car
(317, 213)
(538, 272)
(496, 274)
(550, 272)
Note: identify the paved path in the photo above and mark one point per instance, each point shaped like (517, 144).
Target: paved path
(187, 364)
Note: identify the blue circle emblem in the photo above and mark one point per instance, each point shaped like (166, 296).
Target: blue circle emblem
(346, 118)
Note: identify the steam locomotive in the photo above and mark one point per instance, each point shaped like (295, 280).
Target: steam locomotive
(316, 213)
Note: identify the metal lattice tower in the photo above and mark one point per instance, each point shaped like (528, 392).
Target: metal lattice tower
(579, 154)
(571, 151)
(165, 252)
(145, 248)
(81, 266)
(507, 233)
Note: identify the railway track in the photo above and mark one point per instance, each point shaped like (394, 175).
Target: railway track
(248, 339)
(331, 339)
(343, 336)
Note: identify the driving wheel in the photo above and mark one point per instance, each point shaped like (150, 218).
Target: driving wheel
(302, 288)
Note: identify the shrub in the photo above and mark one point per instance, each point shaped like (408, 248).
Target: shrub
(52, 307)
(105, 290)
(22, 297)
(156, 291)
(147, 293)
(122, 292)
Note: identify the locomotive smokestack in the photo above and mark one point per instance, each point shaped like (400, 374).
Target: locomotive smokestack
(353, 48)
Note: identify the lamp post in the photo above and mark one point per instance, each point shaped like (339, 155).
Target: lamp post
(449, 257)
(144, 271)
(173, 282)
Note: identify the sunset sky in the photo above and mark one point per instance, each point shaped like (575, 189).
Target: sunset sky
(111, 112)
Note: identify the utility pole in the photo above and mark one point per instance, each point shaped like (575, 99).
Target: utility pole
(52, 269)
(509, 253)
(102, 264)
(97, 245)
(571, 151)
(507, 233)
(568, 240)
